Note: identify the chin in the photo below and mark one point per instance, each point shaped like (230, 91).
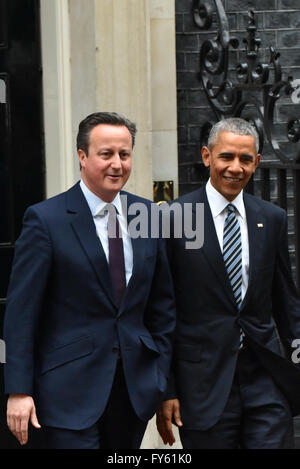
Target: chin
(230, 196)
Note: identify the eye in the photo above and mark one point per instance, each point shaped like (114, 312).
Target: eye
(247, 159)
(104, 154)
(226, 156)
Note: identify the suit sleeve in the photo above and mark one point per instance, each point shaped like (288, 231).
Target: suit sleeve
(25, 297)
(160, 313)
(171, 387)
(286, 303)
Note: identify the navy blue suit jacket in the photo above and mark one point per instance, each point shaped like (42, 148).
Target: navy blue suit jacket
(208, 322)
(62, 325)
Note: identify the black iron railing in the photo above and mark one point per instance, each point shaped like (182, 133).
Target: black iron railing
(254, 89)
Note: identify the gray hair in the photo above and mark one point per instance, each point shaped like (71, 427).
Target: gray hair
(235, 125)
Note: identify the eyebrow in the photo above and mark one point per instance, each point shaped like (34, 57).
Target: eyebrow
(109, 148)
(224, 153)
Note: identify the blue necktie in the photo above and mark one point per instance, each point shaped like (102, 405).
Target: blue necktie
(232, 254)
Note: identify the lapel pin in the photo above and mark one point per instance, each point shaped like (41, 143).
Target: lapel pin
(260, 225)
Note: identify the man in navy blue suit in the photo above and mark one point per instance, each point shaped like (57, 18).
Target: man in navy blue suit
(230, 387)
(90, 315)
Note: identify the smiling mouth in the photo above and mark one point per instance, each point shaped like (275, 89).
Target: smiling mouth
(229, 179)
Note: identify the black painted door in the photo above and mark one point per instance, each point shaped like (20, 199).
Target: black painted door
(21, 142)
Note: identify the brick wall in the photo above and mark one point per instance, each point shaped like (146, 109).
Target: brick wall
(278, 24)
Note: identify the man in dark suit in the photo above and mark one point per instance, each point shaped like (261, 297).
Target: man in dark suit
(230, 387)
(90, 308)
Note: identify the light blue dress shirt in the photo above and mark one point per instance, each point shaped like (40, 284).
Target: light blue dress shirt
(96, 205)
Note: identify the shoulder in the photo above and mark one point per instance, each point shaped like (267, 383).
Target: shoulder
(133, 198)
(191, 197)
(51, 207)
(51, 203)
(269, 209)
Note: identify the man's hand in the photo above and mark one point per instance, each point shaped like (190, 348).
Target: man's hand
(164, 420)
(21, 408)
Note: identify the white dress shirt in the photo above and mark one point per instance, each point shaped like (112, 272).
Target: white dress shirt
(218, 204)
(96, 205)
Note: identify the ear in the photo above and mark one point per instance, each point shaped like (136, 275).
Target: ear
(257, 160)
(205, 156)
(82, 157)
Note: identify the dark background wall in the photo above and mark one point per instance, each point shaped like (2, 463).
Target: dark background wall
(278, 25)
(22, 170)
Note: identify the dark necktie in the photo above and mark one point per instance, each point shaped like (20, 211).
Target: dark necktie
(232, 254)
(116, 254)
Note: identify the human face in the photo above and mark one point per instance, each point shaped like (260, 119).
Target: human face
(107, 166)
(232, 161)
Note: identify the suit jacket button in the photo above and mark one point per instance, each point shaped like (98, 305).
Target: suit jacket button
(115, 349)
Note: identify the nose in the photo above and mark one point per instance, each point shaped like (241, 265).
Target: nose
(116, 161)
(235, 166)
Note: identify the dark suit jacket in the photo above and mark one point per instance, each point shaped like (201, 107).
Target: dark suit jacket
(62, 325)
(208, 322)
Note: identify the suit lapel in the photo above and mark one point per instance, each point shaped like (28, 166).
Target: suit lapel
(138, 248)
(256, 236)
(211, 249)
(85, 230)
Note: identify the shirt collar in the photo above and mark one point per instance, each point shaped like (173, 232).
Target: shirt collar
(95, 203)
(218, 202)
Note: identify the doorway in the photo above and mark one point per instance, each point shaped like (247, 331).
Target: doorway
(22, 168)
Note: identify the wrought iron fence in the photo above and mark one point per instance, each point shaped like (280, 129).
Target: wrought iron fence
(252, 90)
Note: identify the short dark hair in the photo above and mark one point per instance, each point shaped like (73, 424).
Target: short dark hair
(109, 118)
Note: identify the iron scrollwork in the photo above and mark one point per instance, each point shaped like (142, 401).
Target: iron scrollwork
(252, 77)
